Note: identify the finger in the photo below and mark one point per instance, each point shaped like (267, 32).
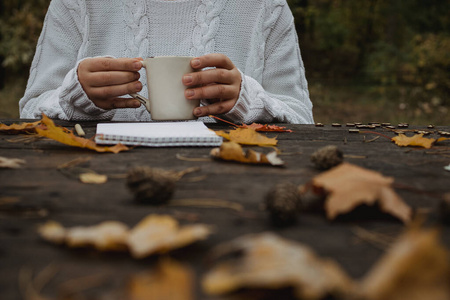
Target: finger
(212, 60)
(217, 108)
(214, 91)
(209, 76)
(117, 103)
(113, 91)
(101, 64)
(125, 103)
(100, 79)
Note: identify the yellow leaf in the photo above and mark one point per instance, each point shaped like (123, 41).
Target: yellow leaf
(170, 280)
(247, 136)
(349, 186)
(232, 151)
(267, 261)
(61, 135)
(19, 128)
(416, 140)
(93, 178)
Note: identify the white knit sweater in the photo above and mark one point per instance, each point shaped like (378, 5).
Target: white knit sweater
(258, 35)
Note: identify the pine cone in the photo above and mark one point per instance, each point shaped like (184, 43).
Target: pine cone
(150, 185)
(282, 202)
(327, 157)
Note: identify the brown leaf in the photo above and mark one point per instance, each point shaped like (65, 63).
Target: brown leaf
(66, 137)
(416, 267)
(349, 186)
(170, 280)
(267, 261)
(246, 136)
(160, 234)
(416, 140)
(232, 151)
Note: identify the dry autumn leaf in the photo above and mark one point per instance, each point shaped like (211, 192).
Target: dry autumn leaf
(169, 280)
(57, 133)
(256, 126)
(417, 267)
(11, 163)
(246, 136)
(159, 234)
(232, 151)
(416, 140)
(19, 128)
(93, 178)
(349, 186)
(154, 234)
(267, 261)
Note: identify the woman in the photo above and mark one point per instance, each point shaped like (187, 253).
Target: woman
(89, 52)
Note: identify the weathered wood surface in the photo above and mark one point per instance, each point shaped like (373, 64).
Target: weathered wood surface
(44, 193)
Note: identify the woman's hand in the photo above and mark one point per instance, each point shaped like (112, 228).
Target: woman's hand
(220, 86)
(105, 79)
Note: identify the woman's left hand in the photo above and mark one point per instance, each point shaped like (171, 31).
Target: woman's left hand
(221, 86)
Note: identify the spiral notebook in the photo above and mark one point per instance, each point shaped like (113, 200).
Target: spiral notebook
(157, 134)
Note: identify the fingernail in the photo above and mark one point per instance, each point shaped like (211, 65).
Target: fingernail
(197, 112)
(136, 104)
(137, 65)
(196, 62)
(138, 86)
(190, 93)
(187, 79)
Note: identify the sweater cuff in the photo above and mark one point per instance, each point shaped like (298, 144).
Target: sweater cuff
(75, 102)
(248, 104)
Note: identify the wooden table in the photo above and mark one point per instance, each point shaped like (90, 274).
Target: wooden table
(39, 191)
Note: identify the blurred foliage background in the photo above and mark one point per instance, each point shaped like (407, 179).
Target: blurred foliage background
(371, 60)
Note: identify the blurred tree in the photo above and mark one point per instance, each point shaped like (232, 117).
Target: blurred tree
(20, 26)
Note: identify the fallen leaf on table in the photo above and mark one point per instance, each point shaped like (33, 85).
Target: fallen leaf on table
(154, 234)
(62, 135)
(11, 163)
(256, 126)
(246, 136)
(93, 178)
(416, 140)
(159, 234)
(417, 267)
(169, 280)
(349, 186)
(19, 128)
(232, 151)
(447, 168)
(267, 261)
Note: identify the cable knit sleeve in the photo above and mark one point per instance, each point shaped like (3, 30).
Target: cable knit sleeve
(53, 87)
(280, 92)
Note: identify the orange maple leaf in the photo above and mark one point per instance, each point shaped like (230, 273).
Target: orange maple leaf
(349, 186)
(246, 136)
(256, 126)
(416, 140)
(19, 128)
(62, 135)
(232, 151)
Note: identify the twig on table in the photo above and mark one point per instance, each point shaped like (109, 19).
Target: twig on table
(376, 239)
(208, 203)
(194, 159)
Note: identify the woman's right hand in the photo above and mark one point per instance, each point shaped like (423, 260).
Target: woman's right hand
(105, 79)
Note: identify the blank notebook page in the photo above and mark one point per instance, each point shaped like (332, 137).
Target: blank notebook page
(157, 134)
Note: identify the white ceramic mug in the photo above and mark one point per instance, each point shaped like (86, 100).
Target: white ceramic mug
(166, 90)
